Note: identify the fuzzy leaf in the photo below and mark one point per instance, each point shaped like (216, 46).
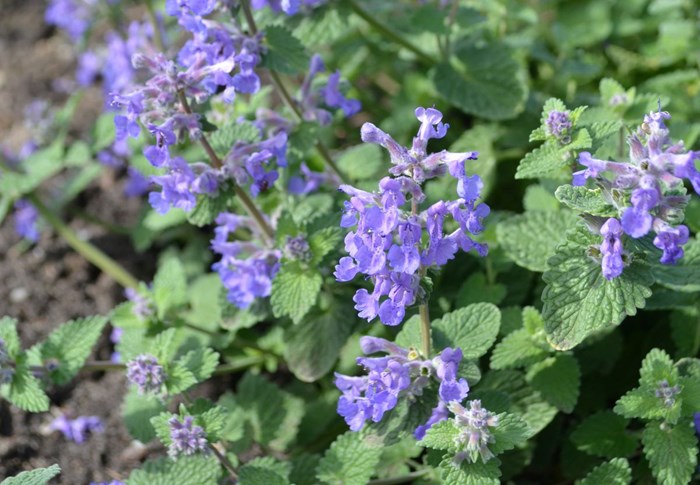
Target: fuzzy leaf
(25, 391)
(69, 346)
(441, 436)
(672, 453)
(323, 242)
(223, 139)
(614, 472)
(578, 300)
(485, 81)
(294, 291)
(39, 476)
(517, 349)
(558, 379)
(8, 333)
(604, 434)
(169, 286)
(285, 53)
(510, 432)
(200, 362)
(530, 239)
(640, 403)
(137, 411)
(349, 461)
(582, 199)
(313, 346)
(209, 207)
(250, 474)
(473, 328)
(186, 470)
(468, 473)
(547, 159)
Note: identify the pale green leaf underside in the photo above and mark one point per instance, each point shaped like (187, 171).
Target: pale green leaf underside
(40, 476)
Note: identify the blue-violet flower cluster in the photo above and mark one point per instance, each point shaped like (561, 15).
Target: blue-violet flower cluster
(145, 372)
(186, 437)
(474, 435)
(387, 243)
(77, 429)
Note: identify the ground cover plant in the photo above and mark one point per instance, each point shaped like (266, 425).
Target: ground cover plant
(381, 242)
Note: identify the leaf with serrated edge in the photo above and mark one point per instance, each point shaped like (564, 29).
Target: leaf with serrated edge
(294, 291)
(349, 460)
(604, 434)
(558, 379)
(672, 453)
(441, 436)
(614, 472)
(578, 300)
(39, 476)
(530, 239)
(186, 470)
(468, 473)
(582, 199)
(473, 328)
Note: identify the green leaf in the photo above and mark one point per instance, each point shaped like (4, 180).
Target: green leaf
(441, 436)
(137, 411)
(683, 276)
(349, 461)
(169, 286)
(294, 291)
(186, 470)
(530, 239)
(285, 53)
(685, 330)
(485, 81)
(558, 379)
(38, 167)
(304, 469)
(209, 207)
(361, 162)
(548, 159)
(223, 139)
(656, 367)
(468, 473)
(510, 432)
(473, 329)
(103, 132)
(579, 300)
(517, 349)
(178, 378)
(477, 289)
(39, 476)
(161, 427)
(604, 434)
(8, 333)
(311, 207)
(538, 198)
(641, 403)
(323, 242)
(614, 472)
(25, 391)
(671, 451)
(69, 346)
(252, 474)
(313, 346)
(274, 415)
(582, 199)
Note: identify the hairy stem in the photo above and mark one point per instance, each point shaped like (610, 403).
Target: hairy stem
(265, 228)
(88, 251)
(389, 33)
(225, 462)
(425, 329)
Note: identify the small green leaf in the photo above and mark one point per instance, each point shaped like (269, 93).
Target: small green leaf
(579, 300)
(558, 379)
(323, 242)
(137, 411)
(468, 473)
(517, 349)
(530, 239)
(39, 476)
(441, 436)
(604, 434)
(548, 159)
(285, 53)
(209, 207)
(294, 291)
(186, 470)
(349, 461)
(103, 132)
(39, 166)
(8, 333)
(223, 139)
(361, 162)
(69, 346)
(672, 452)
(24, 391)
(252, 474)
(582, 199)
(485, 81)
(640, 403)
(169, 286)
(313, 345)
(614, 472)
(473, 329)
(656, 367)
(510, 432)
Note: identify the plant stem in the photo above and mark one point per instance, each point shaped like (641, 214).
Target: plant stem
(425, 329)
(239, 364)
(225, 462)
(287, 98)
(267, 232)
(88, 251)
(387, 32)
(396, 480)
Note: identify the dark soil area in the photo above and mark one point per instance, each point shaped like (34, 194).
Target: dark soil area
(46, 284)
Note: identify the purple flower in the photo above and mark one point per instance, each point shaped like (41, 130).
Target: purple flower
(399, 375)
(696, 422)
(187, 438)
(558, 123)
(474, 435)
(145, 372)
(670, 240)
(77, 429)
(666, 393)
(387, 244)
(142, 304)
(73, 16)
(611, 248)
(26, 220)
(297, 247)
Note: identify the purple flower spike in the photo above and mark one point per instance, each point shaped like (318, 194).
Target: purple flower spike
(474, 424)
(611, 248)
(77, 429)
(558, 123)
(146, 373)
(187, 438)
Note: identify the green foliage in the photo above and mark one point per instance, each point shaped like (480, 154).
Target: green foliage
(558, 379)
(349, 460)
(530, 239)
(285, 53)
(186, 470)
(604, 434)
(39, 476)
(672, 452)
(24, 391)
(470, 473)
(169, 286)
(223, 139)
(585, 200)
(473, 329)
(294, 291)
(614, 472)
(38, 167)
(485, 81)
(579, 300)
(137, 411)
